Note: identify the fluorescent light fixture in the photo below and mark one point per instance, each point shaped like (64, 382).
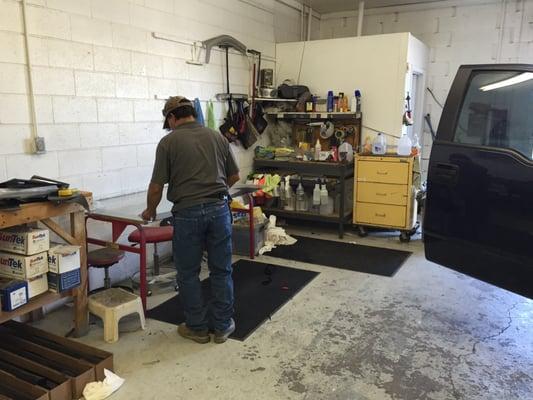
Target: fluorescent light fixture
(526, 76)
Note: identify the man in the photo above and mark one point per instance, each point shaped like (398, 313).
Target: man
(199, 167)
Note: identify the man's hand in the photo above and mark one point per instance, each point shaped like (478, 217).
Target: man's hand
(153, 198)
(233, 179)
(148, 214)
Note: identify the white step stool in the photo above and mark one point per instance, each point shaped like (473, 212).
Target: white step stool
(113, 304)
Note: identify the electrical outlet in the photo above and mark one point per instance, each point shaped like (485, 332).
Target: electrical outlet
(40, 147)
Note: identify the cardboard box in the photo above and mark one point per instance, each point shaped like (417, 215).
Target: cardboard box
(14, 293)
(37, 285)
(23, 368)
(99, 358)
(60, 282)
(23, 267)
(81, 372)
(14, 388)
(25, 241)
(63, 258)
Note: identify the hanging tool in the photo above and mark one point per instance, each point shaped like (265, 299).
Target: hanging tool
(196, 49)
(257, 77)
(408, 115)
(222, 41)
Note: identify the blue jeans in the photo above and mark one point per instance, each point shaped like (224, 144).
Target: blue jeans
(205, 226)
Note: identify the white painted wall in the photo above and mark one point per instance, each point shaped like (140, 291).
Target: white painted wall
(377, 65)
(100, 80)
(457, 32)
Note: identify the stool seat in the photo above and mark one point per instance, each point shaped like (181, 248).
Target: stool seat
(104, 257)
(113, 304)
(153, 234)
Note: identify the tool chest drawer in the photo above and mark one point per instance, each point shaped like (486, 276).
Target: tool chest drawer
(380, 214)
(382, 193)
(382, 172)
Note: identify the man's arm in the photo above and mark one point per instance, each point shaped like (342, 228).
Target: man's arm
(232, 170)
(155, 193)
(233, 179)
(160, 176)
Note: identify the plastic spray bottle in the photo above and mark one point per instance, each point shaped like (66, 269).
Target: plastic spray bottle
(324, 199)
(289, 195)
(300, 197)
(316, 197)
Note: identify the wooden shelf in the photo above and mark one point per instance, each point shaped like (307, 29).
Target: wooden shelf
(75, 234)
(275, 99)
(318, 168)
(322, 115)
(34, 304)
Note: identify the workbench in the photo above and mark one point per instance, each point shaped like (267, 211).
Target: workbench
(128, 217)
(342, 173)
(43, 212)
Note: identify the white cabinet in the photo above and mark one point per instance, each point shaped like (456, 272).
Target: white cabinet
(381, 66)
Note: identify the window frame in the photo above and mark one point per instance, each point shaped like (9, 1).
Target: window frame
(455, 102)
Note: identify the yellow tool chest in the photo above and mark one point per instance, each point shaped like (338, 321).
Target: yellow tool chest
(384, 194)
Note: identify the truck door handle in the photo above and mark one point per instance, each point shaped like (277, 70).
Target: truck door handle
(445, 173)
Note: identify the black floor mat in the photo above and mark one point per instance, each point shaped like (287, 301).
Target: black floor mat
(260, 290)
(353, 257)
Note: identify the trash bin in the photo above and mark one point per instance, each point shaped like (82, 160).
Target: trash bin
(241, 238)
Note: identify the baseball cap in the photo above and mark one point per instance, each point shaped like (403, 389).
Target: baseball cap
(173, 103)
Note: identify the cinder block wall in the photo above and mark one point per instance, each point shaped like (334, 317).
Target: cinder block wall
(100, 80)
(464, 32)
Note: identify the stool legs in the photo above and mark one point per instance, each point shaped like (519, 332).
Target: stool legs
(141, 315)
(110, 326)
(107, 279)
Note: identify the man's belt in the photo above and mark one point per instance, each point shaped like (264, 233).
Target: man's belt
(223, 196)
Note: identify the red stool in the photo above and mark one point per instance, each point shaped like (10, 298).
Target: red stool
(105, 258)
(153, 235)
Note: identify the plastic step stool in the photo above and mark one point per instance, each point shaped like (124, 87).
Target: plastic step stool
(113, 304)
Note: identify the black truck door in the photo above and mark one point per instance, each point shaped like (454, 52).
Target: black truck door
(479, 208)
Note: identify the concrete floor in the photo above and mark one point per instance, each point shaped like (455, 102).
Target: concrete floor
(426, 333)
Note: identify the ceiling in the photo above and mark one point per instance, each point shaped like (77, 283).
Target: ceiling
(329, 6)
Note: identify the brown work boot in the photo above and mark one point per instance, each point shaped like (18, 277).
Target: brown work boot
(197, 336)
(222, 336)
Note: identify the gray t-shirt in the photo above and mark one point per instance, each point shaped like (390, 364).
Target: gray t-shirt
(196, 162)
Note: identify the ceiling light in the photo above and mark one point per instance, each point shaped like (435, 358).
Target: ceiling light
(526, 76)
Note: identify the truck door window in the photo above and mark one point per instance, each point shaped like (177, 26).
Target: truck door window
(498, 112)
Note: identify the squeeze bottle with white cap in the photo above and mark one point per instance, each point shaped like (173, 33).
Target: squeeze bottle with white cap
(318, 149)
(316, 197)
(353, 103)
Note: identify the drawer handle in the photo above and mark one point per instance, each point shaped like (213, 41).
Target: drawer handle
(381, 215)
(382, 172)
(381, 194)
